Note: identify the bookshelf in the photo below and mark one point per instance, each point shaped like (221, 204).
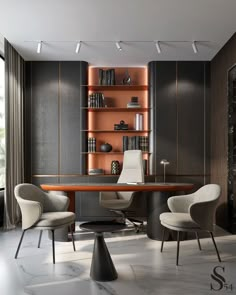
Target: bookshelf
(111, 108)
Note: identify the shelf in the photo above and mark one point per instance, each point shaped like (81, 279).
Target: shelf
(116, 131)
(116, 87)
(107, 153)
(114, 109)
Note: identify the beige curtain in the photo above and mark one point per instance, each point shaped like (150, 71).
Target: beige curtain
(14, 82)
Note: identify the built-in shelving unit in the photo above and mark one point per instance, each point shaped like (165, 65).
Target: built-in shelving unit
(114, 109)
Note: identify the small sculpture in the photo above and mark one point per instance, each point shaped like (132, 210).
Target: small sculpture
(127, 78)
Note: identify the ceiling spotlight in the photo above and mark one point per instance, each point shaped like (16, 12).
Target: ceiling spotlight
(195, 50)
(118, 46)
(78, 47)
(39, 47)
(158, 47)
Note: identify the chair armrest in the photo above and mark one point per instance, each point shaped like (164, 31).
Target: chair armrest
(31, 212)
(55, 203)
(180, 203)
(203, 213)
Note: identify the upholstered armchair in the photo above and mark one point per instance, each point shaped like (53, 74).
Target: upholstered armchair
(42, 211)
(192, 213)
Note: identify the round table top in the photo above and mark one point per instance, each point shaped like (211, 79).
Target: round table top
(103, 226)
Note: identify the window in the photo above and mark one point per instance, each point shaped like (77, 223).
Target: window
(2, 124)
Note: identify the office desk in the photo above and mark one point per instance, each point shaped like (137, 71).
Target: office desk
(157, 195)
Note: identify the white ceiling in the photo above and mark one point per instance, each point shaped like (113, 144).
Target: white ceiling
(60, 23)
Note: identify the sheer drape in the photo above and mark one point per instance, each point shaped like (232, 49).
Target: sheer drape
(14, 85)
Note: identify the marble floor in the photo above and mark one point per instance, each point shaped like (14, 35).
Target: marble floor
(141, 268)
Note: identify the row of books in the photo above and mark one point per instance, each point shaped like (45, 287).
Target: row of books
(91, 144)
(96, 100)
(136, 143)
(106, 77)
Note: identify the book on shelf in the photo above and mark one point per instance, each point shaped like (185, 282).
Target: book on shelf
(106, 77)
(133, 105)
(96, 100)
(135, 143)
(91, 144)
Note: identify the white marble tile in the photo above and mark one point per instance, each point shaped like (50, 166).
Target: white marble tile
(141, 268)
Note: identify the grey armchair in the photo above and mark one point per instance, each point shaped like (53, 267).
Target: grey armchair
(132, 171)
(192, 213)
(42, 211)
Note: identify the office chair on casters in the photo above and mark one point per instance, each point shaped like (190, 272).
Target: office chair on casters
(192, 213)
(42, 211)
(120, 202)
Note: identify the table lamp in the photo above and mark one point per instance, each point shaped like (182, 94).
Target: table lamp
(164, 162)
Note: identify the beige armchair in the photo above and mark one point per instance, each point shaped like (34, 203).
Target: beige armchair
(42, 211)
(132, 171)
(192, 213)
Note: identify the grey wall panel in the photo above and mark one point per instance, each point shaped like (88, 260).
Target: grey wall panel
(44, 117)
(190, 117)
(70, 113)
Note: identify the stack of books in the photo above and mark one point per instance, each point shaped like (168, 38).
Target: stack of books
(106, 77)
(91, 144)
(133, 103)
(135, 143)
(96, 100)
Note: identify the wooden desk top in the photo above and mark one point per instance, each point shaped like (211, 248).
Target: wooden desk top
(146, 187)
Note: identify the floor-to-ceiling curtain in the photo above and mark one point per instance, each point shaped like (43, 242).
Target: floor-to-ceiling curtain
(14, 86)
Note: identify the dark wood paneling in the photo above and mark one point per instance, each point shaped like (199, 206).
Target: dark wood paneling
(164, 109)
(44, 117)
(190, 96)
(219, 124)
(70, 113)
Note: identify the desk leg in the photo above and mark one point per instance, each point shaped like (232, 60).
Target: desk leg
(71, 196)
(102, 267)
(156, 204)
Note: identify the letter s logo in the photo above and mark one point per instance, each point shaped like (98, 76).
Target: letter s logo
(218, 278)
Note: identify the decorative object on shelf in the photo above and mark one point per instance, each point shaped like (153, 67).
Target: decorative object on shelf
(121, 126)
(138, 122)
(164, 162)
(115, 167)
(133, 103)
(95, 171)
(96, 100)
(106, 147)
(91, 144)
(127, 78)
(106, 77)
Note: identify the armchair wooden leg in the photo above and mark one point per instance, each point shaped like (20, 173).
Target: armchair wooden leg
(40, 237)
(198, 240)
(21, 239)
(177, 255)
(217, 252)
(53, 246)
(163, 237)
(72, 237)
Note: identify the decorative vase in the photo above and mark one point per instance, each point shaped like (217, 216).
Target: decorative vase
(115, 167)
(106, 147)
